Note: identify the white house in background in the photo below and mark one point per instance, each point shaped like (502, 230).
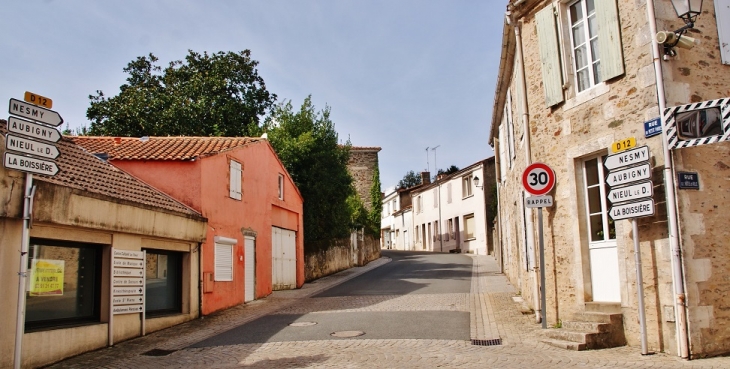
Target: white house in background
(450, 214)
(396, 223)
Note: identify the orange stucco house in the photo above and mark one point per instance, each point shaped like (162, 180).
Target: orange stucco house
(255, 233)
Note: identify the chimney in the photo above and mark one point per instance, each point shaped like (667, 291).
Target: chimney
(425, 178)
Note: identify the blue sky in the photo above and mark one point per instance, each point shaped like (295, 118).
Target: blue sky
(403, 75)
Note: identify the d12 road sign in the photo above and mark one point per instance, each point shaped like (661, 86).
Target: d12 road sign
(626, 158)
(36, 99)
(28, 146)
(35, 130)
(538, 179)
(29, 165)
(631, 192)
(638, 209)
(34, 112)
(629, 175)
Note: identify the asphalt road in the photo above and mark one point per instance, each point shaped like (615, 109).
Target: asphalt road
(415, 296)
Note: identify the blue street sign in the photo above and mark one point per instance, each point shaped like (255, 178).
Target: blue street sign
(652, 127)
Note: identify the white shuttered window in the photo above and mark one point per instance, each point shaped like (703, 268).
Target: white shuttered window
(235, 183)
(224, 259)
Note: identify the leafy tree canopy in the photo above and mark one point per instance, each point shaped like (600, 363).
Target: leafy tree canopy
(409, 180)
(205, 95)
(376, 201)
(307, 144)
(450, 170)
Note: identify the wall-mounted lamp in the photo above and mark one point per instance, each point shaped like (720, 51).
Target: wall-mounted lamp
(476, 182)
(687, 10)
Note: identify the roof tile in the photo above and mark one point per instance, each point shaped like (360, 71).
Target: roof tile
(80, 170)
(160, 148)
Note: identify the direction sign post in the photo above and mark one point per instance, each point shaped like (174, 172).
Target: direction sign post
(631, 168)
(128, 283)
(24, 145)
(29, 165)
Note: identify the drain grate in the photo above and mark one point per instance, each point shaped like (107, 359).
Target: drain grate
(158, 352)
(494, 342)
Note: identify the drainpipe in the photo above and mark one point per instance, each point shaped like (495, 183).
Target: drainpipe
(676, 252)
(530, 234)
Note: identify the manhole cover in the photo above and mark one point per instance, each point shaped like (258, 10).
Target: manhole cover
(302, 324)
(347, 334)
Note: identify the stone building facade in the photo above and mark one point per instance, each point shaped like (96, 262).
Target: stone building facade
(546, 111)
(362, 165)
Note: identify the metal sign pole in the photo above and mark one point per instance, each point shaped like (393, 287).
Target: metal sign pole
(639, 286)
(541, 245)
(23, 273)
(110, 326)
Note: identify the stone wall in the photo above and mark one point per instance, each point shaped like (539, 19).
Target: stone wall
(358, 250)
(583, 127)
(362, 164)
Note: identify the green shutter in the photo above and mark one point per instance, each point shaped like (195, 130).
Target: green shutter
(549, 56)
(609, 40)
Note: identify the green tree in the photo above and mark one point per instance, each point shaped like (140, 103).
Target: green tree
(450, 170)
(376, 204)
(206, 95)
(409, 180)
(307, 144)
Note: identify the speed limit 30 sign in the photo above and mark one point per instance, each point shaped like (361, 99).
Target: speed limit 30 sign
(538, 179)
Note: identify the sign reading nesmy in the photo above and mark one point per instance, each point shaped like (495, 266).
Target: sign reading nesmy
(36, 113)
(35, 130)
(127, 300)
(119, 291)
(127, 281)
(126, 309)
(28, 146)
(631, 192)
(30, 165)
(629, 175)
(626, 158)
(632, 210)
(128, 254)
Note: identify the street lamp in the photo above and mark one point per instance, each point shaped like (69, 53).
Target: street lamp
(476, 182)
(687, 10)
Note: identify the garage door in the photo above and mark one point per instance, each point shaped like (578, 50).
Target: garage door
(284, 257)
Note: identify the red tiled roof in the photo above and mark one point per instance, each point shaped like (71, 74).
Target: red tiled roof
(160, 148)
(83, 171)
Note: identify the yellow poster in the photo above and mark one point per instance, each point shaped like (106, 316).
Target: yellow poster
(46, 278)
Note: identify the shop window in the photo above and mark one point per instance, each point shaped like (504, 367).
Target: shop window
(64, 284)
(163, 291)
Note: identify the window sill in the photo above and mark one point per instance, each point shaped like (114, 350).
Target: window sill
(587, 95)
(466, 197)
(470, 239)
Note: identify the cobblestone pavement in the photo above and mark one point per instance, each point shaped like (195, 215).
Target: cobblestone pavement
(494, 315)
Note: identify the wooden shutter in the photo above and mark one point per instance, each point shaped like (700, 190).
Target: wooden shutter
(609, 40)
(223, 262)
(235, 184)
(722, 16)
(547, 36)
(502, 152)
